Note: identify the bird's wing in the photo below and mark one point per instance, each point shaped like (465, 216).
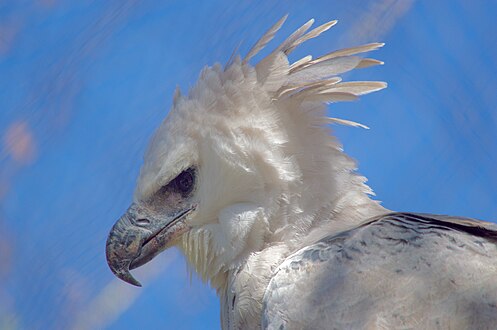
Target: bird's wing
(400, 270)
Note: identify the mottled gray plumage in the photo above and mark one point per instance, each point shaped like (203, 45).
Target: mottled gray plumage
(397, 271)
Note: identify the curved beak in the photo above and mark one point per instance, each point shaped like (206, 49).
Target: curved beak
(138, 236)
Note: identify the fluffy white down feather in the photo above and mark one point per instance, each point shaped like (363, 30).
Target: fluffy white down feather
(271, 177)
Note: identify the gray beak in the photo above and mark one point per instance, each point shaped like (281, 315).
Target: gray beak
(138, 236)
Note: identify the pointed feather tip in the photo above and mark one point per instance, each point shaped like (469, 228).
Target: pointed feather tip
(375, 45)
(265, 39)
(381, 85)
(329, 25)
(368, 62)
(176, 95)
(332, 120)
(280, 22)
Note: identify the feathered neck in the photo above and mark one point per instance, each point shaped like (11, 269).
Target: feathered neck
(309, 185)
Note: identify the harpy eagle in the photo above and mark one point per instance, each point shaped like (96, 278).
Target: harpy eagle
(245, 178)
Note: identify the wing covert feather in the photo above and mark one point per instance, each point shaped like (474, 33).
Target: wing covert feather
(399, 270)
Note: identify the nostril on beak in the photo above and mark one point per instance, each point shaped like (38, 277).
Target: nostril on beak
(142, 222)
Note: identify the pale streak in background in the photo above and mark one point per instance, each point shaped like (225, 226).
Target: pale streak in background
(376, 22)
(116, 297)
(19, 143)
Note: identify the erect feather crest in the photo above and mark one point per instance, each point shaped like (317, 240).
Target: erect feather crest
(314, 80)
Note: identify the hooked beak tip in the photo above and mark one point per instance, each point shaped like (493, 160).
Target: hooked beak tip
(128, 278)
(121, 270)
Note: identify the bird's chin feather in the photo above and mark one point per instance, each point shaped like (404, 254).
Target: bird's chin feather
(215, 249)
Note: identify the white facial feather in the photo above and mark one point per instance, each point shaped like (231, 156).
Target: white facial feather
(269, 173)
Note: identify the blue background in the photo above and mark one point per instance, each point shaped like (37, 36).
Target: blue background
(84, 84)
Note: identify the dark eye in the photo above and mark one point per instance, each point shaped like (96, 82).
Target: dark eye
(185, 181)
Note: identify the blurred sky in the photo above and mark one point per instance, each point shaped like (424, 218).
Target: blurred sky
(83, 84)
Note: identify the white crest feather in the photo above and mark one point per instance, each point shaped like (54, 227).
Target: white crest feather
(346, 122)
(346, 52)
(265, 39)
(312, 34)
(291, 40)
(302, 61)
(357, 87)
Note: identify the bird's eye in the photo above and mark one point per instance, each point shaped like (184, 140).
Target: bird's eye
(184, 181)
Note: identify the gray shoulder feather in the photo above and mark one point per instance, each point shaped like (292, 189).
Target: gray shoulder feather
(400, 270)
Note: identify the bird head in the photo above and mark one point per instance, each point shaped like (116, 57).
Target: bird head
(239, 162)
